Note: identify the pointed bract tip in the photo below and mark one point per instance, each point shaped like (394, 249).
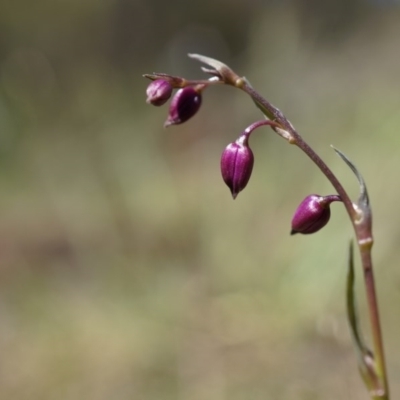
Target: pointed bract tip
(168, 123)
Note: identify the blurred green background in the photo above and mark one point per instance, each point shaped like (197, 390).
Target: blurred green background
(127, 270)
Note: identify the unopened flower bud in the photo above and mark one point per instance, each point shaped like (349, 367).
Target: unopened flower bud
(184, 105)
(158, 92)
(237, 164)
(312, 214)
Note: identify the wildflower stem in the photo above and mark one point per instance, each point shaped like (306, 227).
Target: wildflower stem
(362, 228)
(359, 214)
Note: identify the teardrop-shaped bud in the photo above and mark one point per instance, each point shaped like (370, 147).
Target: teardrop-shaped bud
(158, 92)
(312, 214)
(237, 162)
(184, 105)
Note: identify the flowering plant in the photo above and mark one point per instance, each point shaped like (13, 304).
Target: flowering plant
(312, 214)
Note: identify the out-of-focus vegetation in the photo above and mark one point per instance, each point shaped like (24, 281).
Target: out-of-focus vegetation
(127, 271)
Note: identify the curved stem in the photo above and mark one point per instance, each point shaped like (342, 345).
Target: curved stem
(299, 142)
(250, 129)
(362, 228)
(359, 214)
(277, 116)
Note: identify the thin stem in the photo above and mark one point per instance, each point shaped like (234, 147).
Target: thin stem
(360, 213)
(374, 318)
(178, 82)
(362, 228)
(299, 141)
(250, 129)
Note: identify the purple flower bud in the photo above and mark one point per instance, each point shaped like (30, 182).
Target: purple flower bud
(184, 105)
(158, 92)
(237, 164)
(312, 214)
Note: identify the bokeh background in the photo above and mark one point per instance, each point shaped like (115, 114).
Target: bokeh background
(127, 270)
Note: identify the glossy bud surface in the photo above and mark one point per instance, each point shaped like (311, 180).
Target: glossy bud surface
(184, 105)
(312, 214)
(237, 162)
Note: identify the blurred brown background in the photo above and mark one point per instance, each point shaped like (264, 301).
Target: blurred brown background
(127, 271)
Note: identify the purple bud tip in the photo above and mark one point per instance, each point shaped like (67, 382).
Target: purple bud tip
(237, 162)
(158, 92)
(184, 105)
(312, 214)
